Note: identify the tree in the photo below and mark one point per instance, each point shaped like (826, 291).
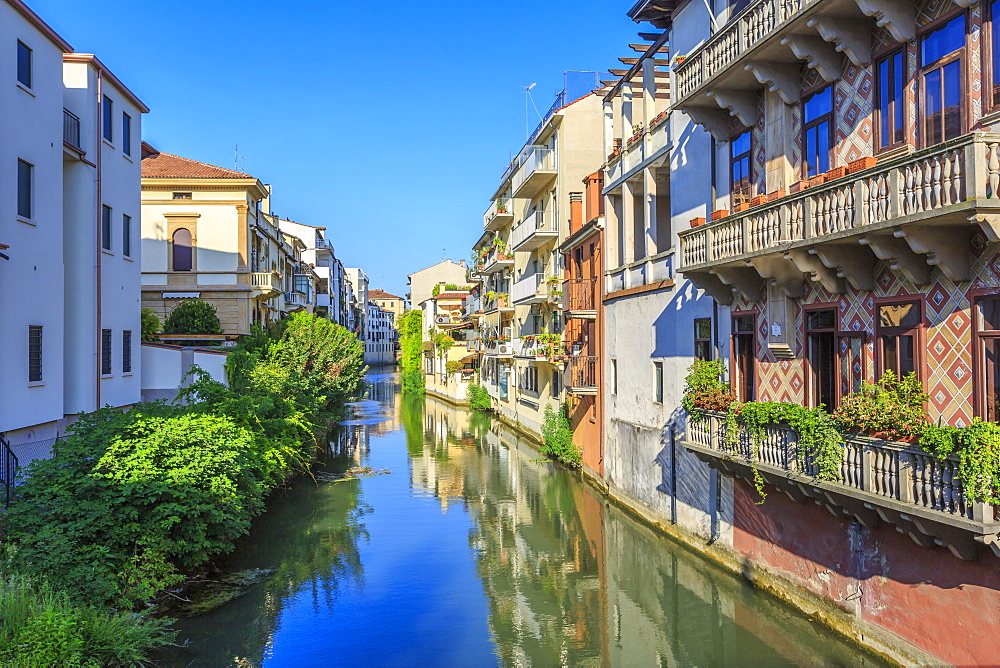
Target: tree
(411, 350)
(193, 316)
(151, 325)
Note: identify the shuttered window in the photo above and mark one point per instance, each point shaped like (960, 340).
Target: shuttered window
(108, 118)
(105, 352)
(126, 235)
(126, 134)
(24, 64)
(126, 351)
(34, 353)
(106, 227)
(24, 177)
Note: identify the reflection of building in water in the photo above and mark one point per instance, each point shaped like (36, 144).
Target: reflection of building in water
(448, 442)
(384, 388)
(352, 440)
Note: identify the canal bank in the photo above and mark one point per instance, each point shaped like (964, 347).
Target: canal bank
(474, 551)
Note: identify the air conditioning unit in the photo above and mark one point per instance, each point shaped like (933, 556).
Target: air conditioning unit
(503, 349)
(443, 320)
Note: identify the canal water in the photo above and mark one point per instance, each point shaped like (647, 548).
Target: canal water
(475, 552)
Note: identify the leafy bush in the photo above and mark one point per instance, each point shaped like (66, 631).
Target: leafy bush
(411, 351)
(479, 398)
(891, 407)
(558, 436)
(151, 325)
(704, 388)
(41, 627)
(193, 316)
(453, 366)
(978, 450)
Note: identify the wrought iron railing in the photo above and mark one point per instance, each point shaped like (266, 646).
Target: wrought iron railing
(71, 128)
(582, 372)
(8, 469)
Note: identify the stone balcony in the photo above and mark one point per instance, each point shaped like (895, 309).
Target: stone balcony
(500, 213)
(537, 229)
(265, 284)
(917, 211)
(649, 148)
(765, 45)
(878, 481)
(537, 169)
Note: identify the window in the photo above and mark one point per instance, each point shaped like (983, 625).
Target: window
(23, 64)
(528, 378)
(182, 255)
(34, 353)
(941, 83)
(891, 82)
(988, 351)
(105, 352)
(106, 227)
(821, 351)
(127, 351)
(24, 189)
(743, 357)
(658, 368)
(897, 331)
(182, 195)
(126, 235)
(107, 109)
(995, 50)
(556, 383)
(614, 376)
(429, 365)
(126, 134)
(817, 137)
(740, 170)
(703, 338)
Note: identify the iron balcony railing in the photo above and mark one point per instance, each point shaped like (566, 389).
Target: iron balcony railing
(8, 469)
(582, 372)
(579, 294)
(71, 129)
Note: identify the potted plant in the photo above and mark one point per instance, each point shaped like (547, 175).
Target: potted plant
(835, 173)
(777, 194)
(799, 185)
(860, 164)
(719, 214)
(757, 200)
(817, 180)
(695, 222)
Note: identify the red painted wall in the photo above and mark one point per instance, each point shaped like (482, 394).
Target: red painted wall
(931, 598)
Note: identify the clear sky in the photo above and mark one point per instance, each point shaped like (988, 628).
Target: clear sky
(390, 123)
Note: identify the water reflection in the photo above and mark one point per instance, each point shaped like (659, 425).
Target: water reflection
(476, 552)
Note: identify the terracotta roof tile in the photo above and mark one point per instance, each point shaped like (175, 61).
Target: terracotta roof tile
(156, 164)
(381, 294)
(452, 295)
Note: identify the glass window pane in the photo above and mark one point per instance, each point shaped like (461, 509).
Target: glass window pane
(989, 313)
(823, 147)
(889, 354)
(946, 40)
(907, 355)
(897, 84)
(991, 382)
(821, 320)
(884, 100)
(703, 328)
(899, 315)
(743, 323)
(811, 167)
(818, 104)
(932, 106)
(952, 73)
(741, 144)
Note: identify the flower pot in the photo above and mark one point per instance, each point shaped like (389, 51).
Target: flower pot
(777, 194)
(757, 200)
(799, 185)
(835, 173)
(742, 206)
(861, 163)
(719, 214)
(695, 222)
(817, 180)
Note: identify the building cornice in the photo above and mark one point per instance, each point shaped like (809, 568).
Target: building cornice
(43, 27)
(96, 63)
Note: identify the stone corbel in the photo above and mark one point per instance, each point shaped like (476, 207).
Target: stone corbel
(989, 223)
(742, 279)
(780, 78)
(817, 54)
(899, 17)
(711, 284)
(740, 103)
(847, 37)
(816, 271)
(945, 247)
(966, 4)
(715, 121)
(992, 540)
(850, 262)
(900, 257)
(782, 273)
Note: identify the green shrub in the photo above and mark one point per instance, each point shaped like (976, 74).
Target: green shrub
(891, 407)
(479, 398)
(558, 436)
(193, 316)
(978, 450)
(411, 351)
(704, 388)
(151, 325)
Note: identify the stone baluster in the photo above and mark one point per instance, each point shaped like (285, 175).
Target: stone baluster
(994, 169)
(935, 191)
(905, 487)
(867, 468)
(957, 177)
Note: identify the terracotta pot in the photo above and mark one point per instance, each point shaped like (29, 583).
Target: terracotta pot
(742, 206)
(835, 173)
(861, 163)
(719, 214)
(777, 194)
(817, 180)
(799, 186)
(757, 200)
(695, 222)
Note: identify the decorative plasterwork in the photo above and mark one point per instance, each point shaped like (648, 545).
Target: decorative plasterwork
(945, 247)
(740, 103)
(847, 37)
(851, 262)
(743, 279)
(780, 78)
(711, 284)
(900, 257)
(816, 53)
(715, 121)
(899, 17)
(781, 272)
(816, 271)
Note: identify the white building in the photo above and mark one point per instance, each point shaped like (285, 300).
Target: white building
(358, 294)
(331, 297)
(69, 186)
(380, 340)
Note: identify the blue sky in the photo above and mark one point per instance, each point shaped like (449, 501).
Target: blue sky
(389, 123)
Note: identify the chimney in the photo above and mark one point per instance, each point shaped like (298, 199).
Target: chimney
(595, 201)
(575, 212)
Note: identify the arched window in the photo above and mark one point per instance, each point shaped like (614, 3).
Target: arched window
(181, 249)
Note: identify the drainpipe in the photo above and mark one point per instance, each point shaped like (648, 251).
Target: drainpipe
(98, 124)
(673, 473)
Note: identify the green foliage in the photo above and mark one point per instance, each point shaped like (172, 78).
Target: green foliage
(151, 325)
(978, 450)
(893, 408)
(411, 351)
(453, 366)
(193, 316)
(443, 343)
(558, 436)
(40, 627)
(704, 388)
(479, 398)
(436, 290)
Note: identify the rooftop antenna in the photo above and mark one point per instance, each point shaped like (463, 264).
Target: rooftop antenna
(236, 159)
(527, 96)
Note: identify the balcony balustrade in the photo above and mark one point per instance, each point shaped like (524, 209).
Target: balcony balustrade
(496, 261)
(71, 129)
(498, 348)
(877, 481)
(534, 231)
(580, 298)
(648, 149)
(582, 374)
(500, 213)
(295, 300)
(532, 289)
(915, 211)
(538, 168)
(266, 284)
(497, 304)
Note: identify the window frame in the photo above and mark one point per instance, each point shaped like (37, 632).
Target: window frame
(126, 235)
(106, 242)
(30, 189)
(990, 52)
(887, 55)
(811, 385)
(106, 353)
(658, 380)
(126, 351)
(40, 376)
(126, 134)
(923, 71)
(735, 377)
(979, 334)
(828, 118)
(173, 249)
(919, 335)
(703, 340)
(24, 49)
(733, 159)
(107, 120)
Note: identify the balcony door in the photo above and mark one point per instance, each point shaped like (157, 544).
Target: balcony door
(898, 332)
(942, 82)
(743, 357)
(821, 341)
